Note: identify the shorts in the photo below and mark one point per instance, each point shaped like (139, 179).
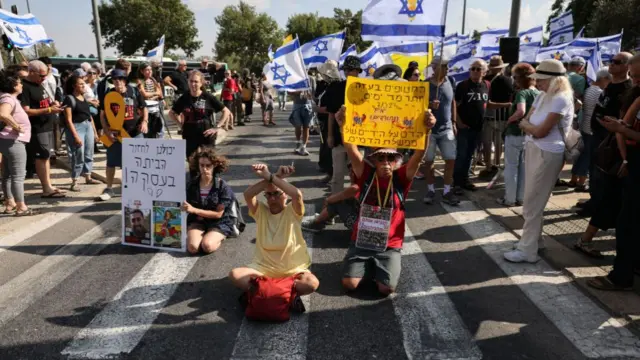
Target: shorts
(207, 227)
(42, 145)
(114, 153)
(348, 211)
(446, 142)
(386, 266)
(301, 115)
(228, 104)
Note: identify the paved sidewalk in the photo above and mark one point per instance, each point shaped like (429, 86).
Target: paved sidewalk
(562, 228)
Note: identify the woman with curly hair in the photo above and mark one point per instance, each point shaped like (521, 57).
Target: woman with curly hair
(209, 203)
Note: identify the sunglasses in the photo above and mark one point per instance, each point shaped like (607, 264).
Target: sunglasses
(388, 157)
(274, 194)
(476, 69)
(618, 62)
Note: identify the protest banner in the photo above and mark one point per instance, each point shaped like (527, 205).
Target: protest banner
(153, 189)
(386, 113)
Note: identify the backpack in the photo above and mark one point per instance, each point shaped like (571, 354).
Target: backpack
(271, 299)
(236, 215)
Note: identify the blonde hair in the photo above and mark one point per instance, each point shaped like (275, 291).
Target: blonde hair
(558, 86)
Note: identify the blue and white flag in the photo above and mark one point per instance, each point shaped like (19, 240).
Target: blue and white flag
(351, 51)
(23, 30)
(270, 52)
(594, 63)
(580, 34)
(609, 46)
(157, 53)
(528, 53)
(531, 37)
(582, 47)
(407, 49)
(371, 59)
(561, 36)
(449, 47)
(317, 51)
(287, 70)
(459, 65)
(557, 52)
(403, 20)
(490, 42)
(561, 22)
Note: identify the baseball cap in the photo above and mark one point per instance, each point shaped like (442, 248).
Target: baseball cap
(79, 72)
(577, 60)
(118, 74)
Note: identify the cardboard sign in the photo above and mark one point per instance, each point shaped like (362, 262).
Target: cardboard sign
(115, 120)
(382, 113)
(153, 189)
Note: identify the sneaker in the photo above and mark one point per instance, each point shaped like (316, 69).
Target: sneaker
(107, 194)
(331, 221)
(303, 151)
(297, 149)
(450, 198)
(310, 224)
(517, 256)
(429, 198)
(419, 176)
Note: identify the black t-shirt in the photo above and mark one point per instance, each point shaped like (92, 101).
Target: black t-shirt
(133, 102)
(80, 112)
(197, 113)
(472, 99)
(334, 101)
(180, 80)
(502, 91)
(321, 87)
(35, 97)
(205, 72)
(609, 104)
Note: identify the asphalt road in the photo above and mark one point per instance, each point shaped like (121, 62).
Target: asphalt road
(68, 289)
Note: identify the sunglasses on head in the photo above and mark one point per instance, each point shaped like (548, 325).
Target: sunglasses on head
(388, 157)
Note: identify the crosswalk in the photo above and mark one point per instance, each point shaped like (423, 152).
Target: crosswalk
(423, 320)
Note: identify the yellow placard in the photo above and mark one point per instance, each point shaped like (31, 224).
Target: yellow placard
(115, 120)
(382, 113)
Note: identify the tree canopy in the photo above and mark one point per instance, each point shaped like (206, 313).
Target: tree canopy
(244, 34)
(134, 25)
(311, 26)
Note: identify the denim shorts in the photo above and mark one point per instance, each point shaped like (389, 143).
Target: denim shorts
(301, 115)
(446, 142)
(114, 153)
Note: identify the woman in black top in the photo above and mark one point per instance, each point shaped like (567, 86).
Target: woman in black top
(209, 204)
(80, 132)
(197, 107)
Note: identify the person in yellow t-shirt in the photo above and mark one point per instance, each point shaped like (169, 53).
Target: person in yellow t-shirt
(280, 247)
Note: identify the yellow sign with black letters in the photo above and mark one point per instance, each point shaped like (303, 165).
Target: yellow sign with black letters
(390, 114)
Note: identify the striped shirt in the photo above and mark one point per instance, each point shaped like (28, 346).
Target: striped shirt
(591, 97)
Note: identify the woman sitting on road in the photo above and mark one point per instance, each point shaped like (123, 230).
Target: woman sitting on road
(14, 136)
(198, 107)
(209, 204)
(281, 251)
(551, 112)
(383, 188)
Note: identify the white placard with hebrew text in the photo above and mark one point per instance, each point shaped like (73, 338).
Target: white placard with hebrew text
(153, 189)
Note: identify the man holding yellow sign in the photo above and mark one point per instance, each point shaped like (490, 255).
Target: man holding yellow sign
(383, 182)
(123, 114)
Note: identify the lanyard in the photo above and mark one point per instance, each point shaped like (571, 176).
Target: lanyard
(386, 196)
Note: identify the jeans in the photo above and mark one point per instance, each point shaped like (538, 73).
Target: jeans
(81, 157)
(14, 160)
(582, 164)
(466, 146)
(514, 169)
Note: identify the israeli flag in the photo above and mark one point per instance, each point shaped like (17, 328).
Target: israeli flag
(317, 51)
(609, 46)
(557, 52)
(531, 37)
(459, 65)
(407, 49)
(448, 48)
(393, 21)
(23, 30)
(157, 53)
(561, 22)
(371, 59)
(287, 70)
(490, 42)
(351, 51)
(581, 47)
(562, 36)
(270, 52)
(594, 63)
(528, 53)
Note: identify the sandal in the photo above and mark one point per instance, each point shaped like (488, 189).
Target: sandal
(56, 194)
(604, 283)
(91, 181)
(28, 212)
(8, 211)
(586, 247)
(74, 187)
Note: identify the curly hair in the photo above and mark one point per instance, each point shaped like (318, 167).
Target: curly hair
(522, 71)
(220, 163)
(8, 82)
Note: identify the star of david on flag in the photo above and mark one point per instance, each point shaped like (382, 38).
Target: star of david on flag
(411, 8)
(393, 21)
(23, 34)
(23, 30)
(527, 39)
(287, 70)
(280, 73)
(321, 46)
(328, 47)
(371, 69)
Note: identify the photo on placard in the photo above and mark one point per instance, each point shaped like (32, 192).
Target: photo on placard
(167, 219)
(137, 226)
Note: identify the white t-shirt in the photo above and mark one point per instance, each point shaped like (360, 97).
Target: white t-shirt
(562, 105)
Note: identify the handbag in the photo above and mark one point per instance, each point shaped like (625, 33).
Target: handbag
(573, 143)
(607, 156)
(270, 299)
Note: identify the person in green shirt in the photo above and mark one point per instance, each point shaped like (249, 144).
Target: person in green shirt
(514, 137)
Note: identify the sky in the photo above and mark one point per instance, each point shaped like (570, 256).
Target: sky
(73, 18)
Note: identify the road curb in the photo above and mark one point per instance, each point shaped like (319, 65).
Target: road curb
(63, 162)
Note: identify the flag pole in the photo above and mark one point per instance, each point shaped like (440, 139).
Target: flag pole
(444, 17)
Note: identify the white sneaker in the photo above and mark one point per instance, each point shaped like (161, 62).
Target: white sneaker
(517, 256)
(303, 151)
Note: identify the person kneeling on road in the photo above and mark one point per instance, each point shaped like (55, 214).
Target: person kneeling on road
(281, 251)
(209, 203)
(383, 188)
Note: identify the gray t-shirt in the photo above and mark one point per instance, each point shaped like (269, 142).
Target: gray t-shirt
(443, 114)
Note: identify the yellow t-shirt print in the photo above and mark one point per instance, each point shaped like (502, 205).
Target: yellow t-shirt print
(280, 247)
